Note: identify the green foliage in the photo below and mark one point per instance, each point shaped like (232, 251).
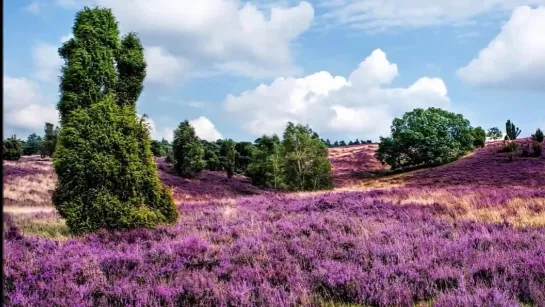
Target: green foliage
(107, 177)
(12, 149)
(342, 143)
(243, 157)
(159, 148)
(512, 131)
(479, 136)
(538, 136)
(228, 157)
(211, 155)
(537, 148)
(267, 166)
(306, 163)
(494, 133)
(510, 147)
(32, 145)
(188, 151)
(426, 137)
(49, 142)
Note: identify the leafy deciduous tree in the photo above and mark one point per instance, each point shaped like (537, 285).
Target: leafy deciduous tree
(228, 157)
(425, 137)
(494, 133)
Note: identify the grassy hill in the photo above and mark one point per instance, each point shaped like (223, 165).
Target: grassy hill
(471, 233)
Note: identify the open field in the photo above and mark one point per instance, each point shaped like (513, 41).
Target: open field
(471, 233)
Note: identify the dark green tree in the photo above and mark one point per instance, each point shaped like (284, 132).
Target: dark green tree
(49, 142)
(479, 136)
(228, 157)
(538, 136)
(494, 133)
(157, 148)
(306, 165)
(107, 177)
(32, 145)
(188, 151)
(357, 142)
(426, 137)
(512, 131)
(211, 155)
(342, 143)
(336, 144)
(267, 166)
(328, 143)
(243, 157)
(12, 149)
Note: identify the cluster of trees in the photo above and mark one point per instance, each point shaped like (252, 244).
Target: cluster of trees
(428, 137)
(35, 144)
(106, 174)
(343, 143)
(434, 137)
(297, 163)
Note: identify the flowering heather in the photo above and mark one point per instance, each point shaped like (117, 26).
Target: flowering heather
(209, 185)
(352, 247)
(351, 163)
(485, 167)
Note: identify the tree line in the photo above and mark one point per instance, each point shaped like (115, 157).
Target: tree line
(298, 162)
(343, 143)
(14, 148)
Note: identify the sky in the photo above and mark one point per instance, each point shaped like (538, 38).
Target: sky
(347, 68)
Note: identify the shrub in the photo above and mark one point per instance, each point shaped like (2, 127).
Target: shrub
(525, 151)
(188, 151)
(510, 147)
(479, 136)
(538, 136)
(107, 177)
(12, 149)
(537, 148)
(426, 137)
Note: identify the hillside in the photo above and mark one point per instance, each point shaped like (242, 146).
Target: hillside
(430, 241)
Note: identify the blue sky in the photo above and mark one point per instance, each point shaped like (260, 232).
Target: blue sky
(239, 69)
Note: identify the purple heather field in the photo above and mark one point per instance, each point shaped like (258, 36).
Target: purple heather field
(470, 233)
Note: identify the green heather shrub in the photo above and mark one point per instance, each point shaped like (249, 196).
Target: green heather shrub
(510, 147)
(107, 177)
(12, 149)
(537, 148)
(188, 151)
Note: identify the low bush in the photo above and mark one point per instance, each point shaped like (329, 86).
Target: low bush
(12, 149)
(537, 148)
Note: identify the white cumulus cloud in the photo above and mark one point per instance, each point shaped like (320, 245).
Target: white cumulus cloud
(361, 105)
(515, 58)
(47, 62)
(162, 67)
(205, 129)
(25, 109)
(229, 35)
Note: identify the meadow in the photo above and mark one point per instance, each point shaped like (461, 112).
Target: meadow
(469, 233)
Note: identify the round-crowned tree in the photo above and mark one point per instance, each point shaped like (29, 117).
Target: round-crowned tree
(107, 177)
(426, 137)
(188, 151)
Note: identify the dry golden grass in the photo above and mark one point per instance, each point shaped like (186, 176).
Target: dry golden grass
(32, 190)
